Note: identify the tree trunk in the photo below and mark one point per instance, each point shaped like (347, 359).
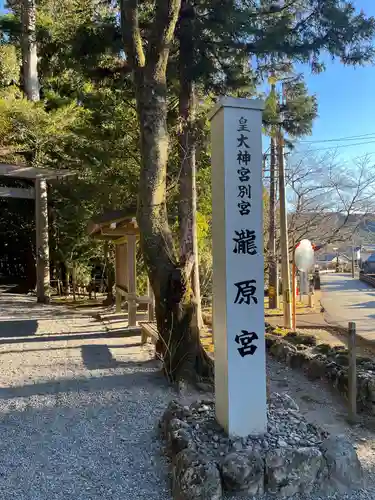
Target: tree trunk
(32, 91)
(187, 140)
(42, 245)
(74, 281)
(29, 50)
(175, 309)
(67, 280)
(179, 343)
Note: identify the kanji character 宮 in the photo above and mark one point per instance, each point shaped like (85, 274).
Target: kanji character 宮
(246, 340)
(244, 174)
(244, 207)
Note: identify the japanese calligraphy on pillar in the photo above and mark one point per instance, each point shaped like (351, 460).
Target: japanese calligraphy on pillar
(245, 238)
(238, 266)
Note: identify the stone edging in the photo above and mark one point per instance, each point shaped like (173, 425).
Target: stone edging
(320, 361)
(292, 457)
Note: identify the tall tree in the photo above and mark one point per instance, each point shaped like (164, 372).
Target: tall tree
(300, 30)
(170, 277)
(29, 50)
(187, 175)
(32, 91)
(293, 113)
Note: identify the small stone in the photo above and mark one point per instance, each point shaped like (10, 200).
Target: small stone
(195, 477)
(197, 426)
(179, 440)
(215, 438)
(303, 428)
(292, 470)
(344, 468)
(237, 445)
(174, 411)
(282, 443)
(203, 409)
(243, 472)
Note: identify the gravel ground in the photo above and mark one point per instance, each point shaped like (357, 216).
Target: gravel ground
(79, 407)
(77, 415)
(323, 406)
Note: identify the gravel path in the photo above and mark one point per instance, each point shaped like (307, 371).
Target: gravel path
(79, 407)
(78, 413)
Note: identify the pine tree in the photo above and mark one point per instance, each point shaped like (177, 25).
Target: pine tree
(300, 31)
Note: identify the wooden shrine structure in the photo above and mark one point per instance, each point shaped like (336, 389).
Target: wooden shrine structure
(38, 178)
(120, 227)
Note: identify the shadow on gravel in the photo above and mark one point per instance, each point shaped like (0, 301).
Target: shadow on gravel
(366, 305)
(97, 356)
(93, 438)
(118, 333)
(18, 328)
(135, 374)
(66, 348)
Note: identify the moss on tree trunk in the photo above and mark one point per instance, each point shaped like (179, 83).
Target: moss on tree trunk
(175, 308)
(179, 343)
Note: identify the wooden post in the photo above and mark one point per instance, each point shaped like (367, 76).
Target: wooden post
(151, 305)
(42, 244)
(123, 262)
(74, 281)
(132, 280)
(273, 286)
(353, 268)
(311, 296)
(117, 277)
(285, 273)
(294, 309)
(352, 372)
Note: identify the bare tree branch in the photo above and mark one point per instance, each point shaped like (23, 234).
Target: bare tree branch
(329, 200)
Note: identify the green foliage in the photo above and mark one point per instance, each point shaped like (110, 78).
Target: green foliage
(9, 65)
(87, 123)
(297, 112)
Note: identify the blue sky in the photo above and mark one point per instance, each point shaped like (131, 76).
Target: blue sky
(346, 99)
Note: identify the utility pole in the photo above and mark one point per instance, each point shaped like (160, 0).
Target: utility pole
(353, 259)
(273, 283)
(285, 272)
(273, 288)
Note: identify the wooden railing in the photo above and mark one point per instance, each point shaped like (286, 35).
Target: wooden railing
(133, 300)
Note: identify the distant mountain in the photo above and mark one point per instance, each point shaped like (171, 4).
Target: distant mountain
(333, 228)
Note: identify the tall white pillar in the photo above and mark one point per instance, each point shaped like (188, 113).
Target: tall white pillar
(238, 267)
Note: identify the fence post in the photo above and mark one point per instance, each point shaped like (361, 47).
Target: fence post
(352, 373)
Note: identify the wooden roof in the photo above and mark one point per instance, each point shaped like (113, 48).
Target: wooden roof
(27, 172)
(113, 225)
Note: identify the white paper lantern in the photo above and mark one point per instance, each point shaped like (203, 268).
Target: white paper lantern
(304, 256)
